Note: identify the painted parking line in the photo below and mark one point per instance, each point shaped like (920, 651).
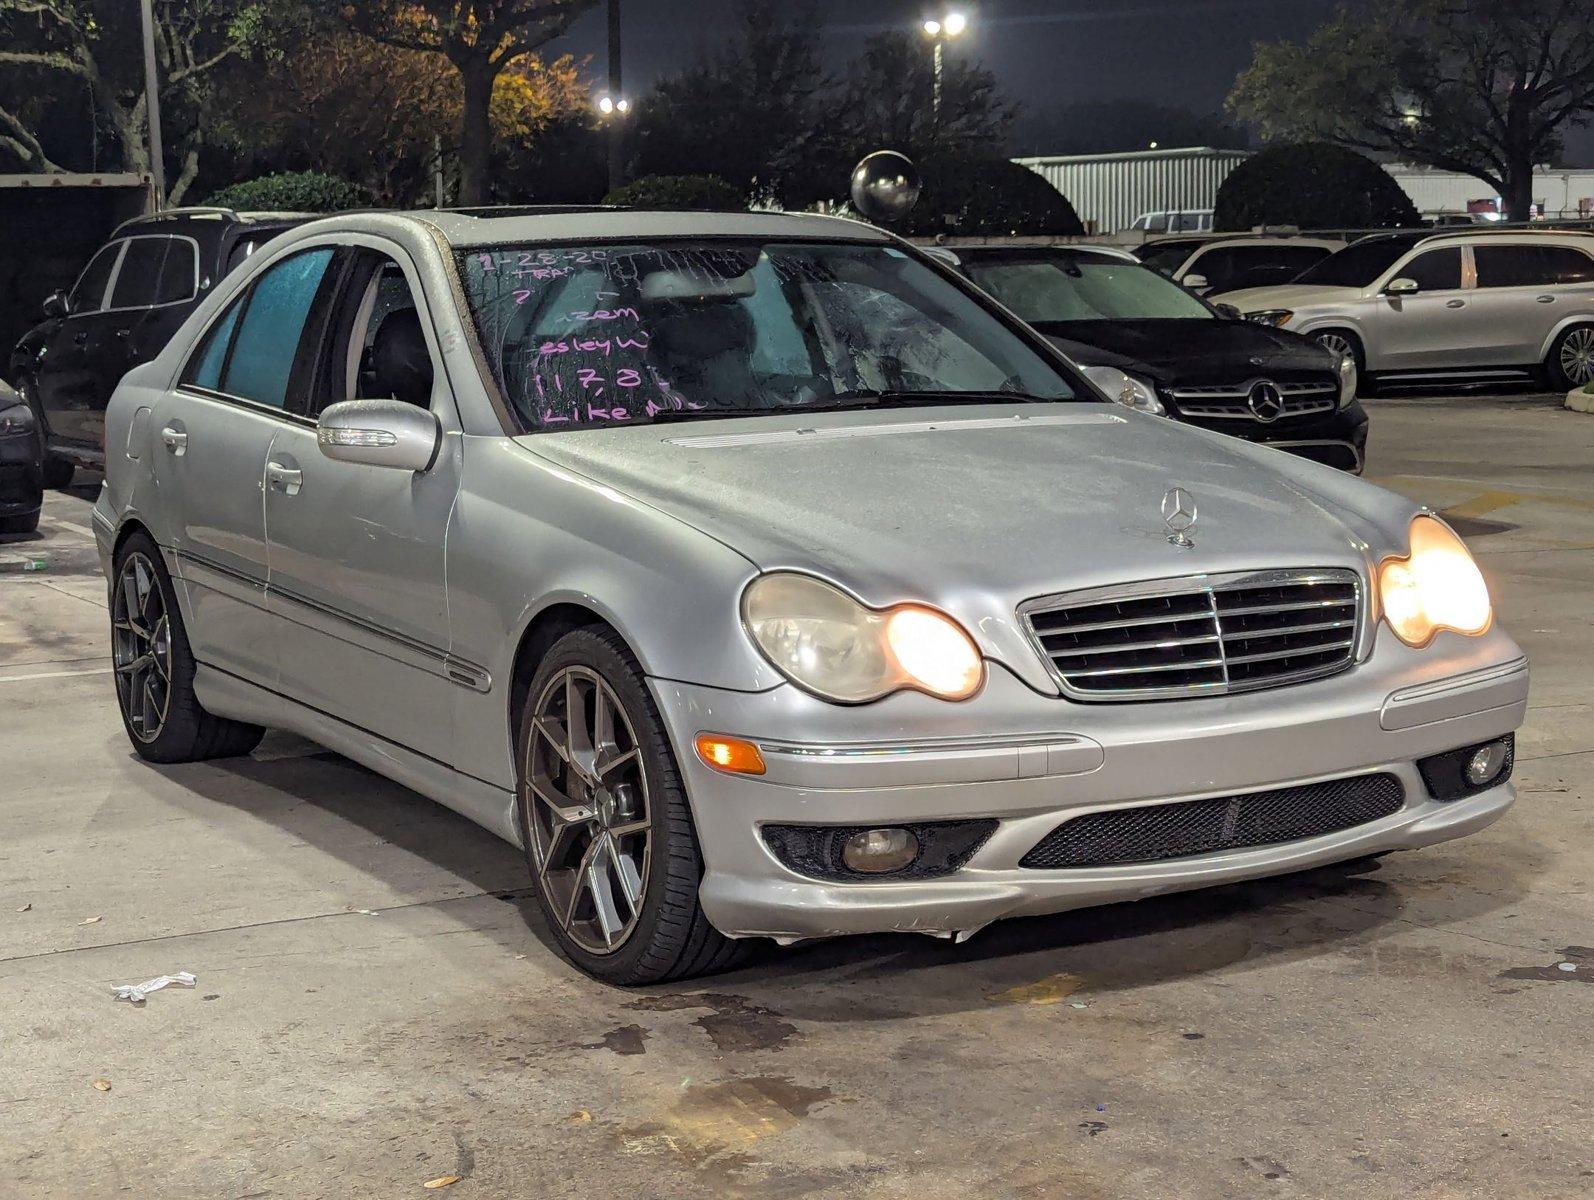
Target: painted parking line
(105, 670)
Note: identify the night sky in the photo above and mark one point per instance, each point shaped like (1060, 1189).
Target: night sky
(1182, 53)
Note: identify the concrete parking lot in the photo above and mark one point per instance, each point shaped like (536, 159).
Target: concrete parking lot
(376, 1006)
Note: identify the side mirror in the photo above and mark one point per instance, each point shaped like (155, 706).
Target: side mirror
(1195, 282)
(380, 433)
(1229, 311)
(1402, 287)
(55, 305)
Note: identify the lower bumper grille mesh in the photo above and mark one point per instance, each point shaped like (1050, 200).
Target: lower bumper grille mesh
(1156, 832)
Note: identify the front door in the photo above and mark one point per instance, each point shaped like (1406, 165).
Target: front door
(356, 582)
(1431, 328)
(70, 374)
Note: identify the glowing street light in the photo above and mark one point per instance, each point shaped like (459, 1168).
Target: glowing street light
(610, 105)
(938, 30)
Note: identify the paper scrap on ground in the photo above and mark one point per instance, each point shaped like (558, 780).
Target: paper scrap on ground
(137, 991)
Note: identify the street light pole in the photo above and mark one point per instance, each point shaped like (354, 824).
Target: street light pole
(616, 127)
(938, 31)
(935, 104)
(152, 108)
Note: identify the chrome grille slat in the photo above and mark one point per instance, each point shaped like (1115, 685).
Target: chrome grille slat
(1219, 634)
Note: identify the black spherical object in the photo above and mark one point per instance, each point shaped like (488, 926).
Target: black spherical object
(885, 186)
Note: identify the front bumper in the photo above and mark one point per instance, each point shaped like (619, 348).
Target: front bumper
(1337, 439)
(21, 475)
(911, 758)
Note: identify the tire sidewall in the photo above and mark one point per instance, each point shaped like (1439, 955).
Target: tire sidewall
(585, 648)
(1558, 379)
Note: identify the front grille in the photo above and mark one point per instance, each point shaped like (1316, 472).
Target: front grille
(1235, 401)
(1158, 832)
(1199, 636)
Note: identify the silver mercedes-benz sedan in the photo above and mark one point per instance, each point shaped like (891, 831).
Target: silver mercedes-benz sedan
(760, 577)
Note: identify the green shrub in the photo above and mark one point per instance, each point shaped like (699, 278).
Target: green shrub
(972, 195)
(293, 191)
(678, 192)
(1313, 185)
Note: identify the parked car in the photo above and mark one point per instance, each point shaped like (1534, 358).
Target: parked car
(1154, 346)
(1229, 263)
(21, 466)
(791, 587)
(1434, 306)
(132, 296)
(1173, 220)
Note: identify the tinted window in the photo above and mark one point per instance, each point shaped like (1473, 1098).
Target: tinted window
(179, 273)
(268, 333)
(204, 369)
(592, 335)
(1531, 266)
(89, 293)
(1435, 271)
(1358, 264)
(1066, 287)
(137, 281)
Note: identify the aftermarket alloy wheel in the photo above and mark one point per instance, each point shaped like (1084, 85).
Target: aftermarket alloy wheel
(1570, 362)
(154, 667)
(608, 834)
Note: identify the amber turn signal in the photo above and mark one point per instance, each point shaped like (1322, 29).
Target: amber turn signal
(729, 754)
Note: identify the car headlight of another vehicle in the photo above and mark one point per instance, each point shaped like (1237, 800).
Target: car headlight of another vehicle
(1129, 390)
(1270, 316)
(828, 643)
(15, 421)
(1436, 586)
(1347, 379)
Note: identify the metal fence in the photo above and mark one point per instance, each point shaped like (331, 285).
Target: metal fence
(1109, 191)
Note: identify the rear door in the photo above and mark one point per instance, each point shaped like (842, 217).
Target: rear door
(212, 436)
(69, 375)
(1524, 290)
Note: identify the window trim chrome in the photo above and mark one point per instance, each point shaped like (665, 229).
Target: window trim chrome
(1211, 584)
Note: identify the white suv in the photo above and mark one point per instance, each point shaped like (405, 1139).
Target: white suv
(1426, 307)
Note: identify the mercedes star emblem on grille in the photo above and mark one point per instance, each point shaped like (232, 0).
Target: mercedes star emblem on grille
(1265, 401)
(1179, 515)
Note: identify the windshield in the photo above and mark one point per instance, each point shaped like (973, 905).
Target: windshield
(583, 336)
(1165, 257)
(1357, 265)
(1048, 288)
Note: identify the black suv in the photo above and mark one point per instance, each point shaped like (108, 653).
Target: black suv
(126, 305)
(1154, 346)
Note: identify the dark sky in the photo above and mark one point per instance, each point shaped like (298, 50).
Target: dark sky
(1182, 53)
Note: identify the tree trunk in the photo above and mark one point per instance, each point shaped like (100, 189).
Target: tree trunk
(1518, 194)
(475, 135)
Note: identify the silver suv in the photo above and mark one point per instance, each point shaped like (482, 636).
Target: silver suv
(1425, 307)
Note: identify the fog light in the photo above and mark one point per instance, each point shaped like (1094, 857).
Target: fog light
(1485, 763)
(876, 851)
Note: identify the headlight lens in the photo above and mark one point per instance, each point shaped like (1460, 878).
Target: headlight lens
(1129, 390)
(1270, 316)
(1347, 380)
(825, 641)
(1436, 586)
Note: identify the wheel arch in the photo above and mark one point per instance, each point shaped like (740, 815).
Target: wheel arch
(1561, 326)
(544, 628)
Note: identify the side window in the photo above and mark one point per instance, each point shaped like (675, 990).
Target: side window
(204, 368)
(267, 344)
(1567, 264)
(138, 280)
(378, 345)
(1298, 258)
(1508, 266)
(1435, 271)
(179, 277)
(89, 293)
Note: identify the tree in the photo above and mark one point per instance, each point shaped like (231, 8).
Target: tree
(971, 194)
(481, 38)
(747, 111)
(1484, 87)
(94, 45)
(677, 192)
(1313, 185)
(295, 191)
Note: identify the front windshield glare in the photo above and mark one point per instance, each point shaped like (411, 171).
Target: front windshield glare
(1357, 265)
(1047, 290)
(583, 336)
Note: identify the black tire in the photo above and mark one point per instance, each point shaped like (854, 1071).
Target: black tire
(667, 936)
(1333, 340)
(26, 523)
(185, 731)
(1570, 362)
(58, 471)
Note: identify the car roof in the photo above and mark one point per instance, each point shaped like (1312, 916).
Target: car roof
(501, 226)
(186, 220)
(1269, 240)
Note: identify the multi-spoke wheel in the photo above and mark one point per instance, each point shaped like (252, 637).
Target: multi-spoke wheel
(141, 647)
(1345, 344)
(609, 837)
(1571, 358)
(155, 668)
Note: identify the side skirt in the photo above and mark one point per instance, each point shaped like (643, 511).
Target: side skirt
(491, 807)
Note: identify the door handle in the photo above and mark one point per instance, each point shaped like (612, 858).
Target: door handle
(1545, 299)
(1455, 304)
(285, 479)
(176, 440)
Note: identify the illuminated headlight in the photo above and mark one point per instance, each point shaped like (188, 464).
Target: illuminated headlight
(828, 643)
(1436, 586)
(15, 421)
(1347, 380)
(1270, 316)
(1129, 390)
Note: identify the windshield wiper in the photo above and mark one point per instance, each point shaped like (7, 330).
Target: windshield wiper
(861, 398)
